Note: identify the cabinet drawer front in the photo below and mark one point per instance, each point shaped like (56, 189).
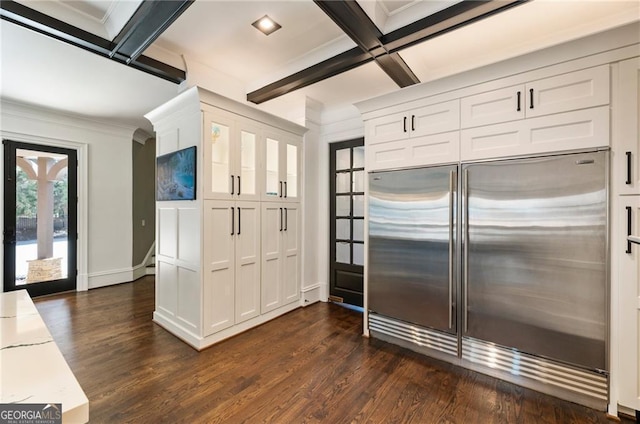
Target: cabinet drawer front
(392, 154)
(434, 119)
(572, 91)
(581, 129)
(493, 107)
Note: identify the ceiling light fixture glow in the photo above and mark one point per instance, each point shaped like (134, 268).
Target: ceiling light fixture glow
(266, 25)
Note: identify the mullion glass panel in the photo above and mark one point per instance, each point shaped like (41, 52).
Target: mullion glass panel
(343, 205)
(343, 182)
(343, 229)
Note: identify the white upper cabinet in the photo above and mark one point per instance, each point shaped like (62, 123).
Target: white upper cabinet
(626, 134)
(424, 135)
(232, 148)
(562, 93)
(283, 162)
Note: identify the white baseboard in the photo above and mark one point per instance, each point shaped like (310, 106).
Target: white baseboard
(311, 294)
(138, 271)
(109, 278)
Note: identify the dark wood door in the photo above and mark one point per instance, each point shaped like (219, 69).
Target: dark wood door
(346, 185)
(40, 218)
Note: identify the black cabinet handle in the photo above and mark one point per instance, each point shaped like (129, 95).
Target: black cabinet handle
(280, 188)
(404, 124)
(531, 98)
(628, 182)
(233, 220)
(280, 219)
(239, 185)
(628, 228)
(285, 189)
(518, 103)
(413, 122)
(239, 220)
(286, 218)
(232, 185)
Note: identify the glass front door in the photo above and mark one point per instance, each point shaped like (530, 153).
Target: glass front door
(40, 218)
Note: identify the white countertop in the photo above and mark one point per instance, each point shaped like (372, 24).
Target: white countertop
(33, 369)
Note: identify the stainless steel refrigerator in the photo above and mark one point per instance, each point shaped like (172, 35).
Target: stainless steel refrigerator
(520, 286)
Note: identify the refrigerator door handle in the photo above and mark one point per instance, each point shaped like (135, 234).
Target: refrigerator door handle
(452, 179)
(465, 241)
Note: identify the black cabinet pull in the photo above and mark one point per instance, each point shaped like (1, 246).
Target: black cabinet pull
(286, 218)
(628, 182)
(239, 185)
(280, 219)
(233, 220)
(232, 185)
(518, 103)
(531, 98)
(404, 124)
(413, 122)
(285, 189)
(239, 220)
(280, 188)
(628, 228)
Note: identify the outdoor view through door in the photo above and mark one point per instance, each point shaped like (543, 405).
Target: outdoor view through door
(40, 218)
(346, 194)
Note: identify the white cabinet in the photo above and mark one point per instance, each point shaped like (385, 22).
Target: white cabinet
(280, 255)
(588, 128)
(210, 250)
(424, 135)
(571, 91)
(628, 263)
(231, 263)
(626, 154)
(232, 147)
(283, 163)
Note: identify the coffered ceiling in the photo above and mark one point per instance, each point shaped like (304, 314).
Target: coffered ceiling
(324, 54)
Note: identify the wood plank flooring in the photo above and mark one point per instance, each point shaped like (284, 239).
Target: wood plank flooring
(309, 366)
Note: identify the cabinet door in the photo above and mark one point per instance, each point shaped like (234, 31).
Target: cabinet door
(435, 119)
(247, 260)
(272, 228)
(219, 265)
(272, 186)
(572, 91)
(503, 105)
(387, 128)
(219, 178)
(291, 169)
(626, 136)
(291, 253)
(628, 262)
(247, 170)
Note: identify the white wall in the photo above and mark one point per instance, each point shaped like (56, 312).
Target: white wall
(104, 180)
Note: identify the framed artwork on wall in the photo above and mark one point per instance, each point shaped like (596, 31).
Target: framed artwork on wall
(176, 175)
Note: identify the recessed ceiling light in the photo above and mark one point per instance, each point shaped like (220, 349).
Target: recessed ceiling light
(266, 25)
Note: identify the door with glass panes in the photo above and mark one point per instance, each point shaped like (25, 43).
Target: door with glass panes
(346, 185)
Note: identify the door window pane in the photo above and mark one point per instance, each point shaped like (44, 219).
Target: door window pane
(343, 230)
(343, 206)
(358, 206)
(343, 182)
(220, 158)
(358, 230)
(343, 253)
(292, 170)
(358, 157)
(41, 217)
(358, 254)
(272, 167)
(358, 181)
(343, 159)
(248, 163)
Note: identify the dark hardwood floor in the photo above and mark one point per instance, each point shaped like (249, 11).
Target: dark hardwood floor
(311, 365)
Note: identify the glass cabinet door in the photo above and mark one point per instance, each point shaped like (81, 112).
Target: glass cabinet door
(247, 165)
(273, 182)
(218, 157)
(293, 164)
